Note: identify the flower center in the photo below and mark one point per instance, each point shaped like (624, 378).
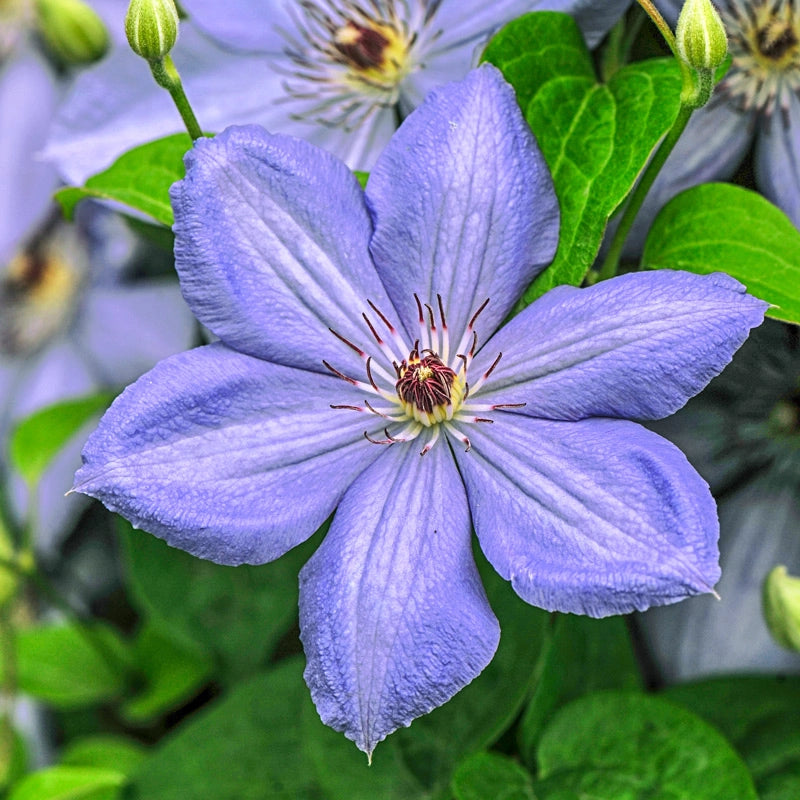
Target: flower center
(425, 390)
(764, 42)
(429, 391)
(349, 59)
(39, 290)
(375, 54)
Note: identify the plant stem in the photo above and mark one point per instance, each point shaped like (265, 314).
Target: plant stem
(611, 262)
(166, 75)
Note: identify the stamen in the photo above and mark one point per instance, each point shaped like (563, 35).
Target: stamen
(469, 333)
(475, 316)
(424, 333)
(348, 342)
(445, 337)
(434, 438)
(341, 375)
(396, 338)
(477, 385)
(393, 418)
(460, 436)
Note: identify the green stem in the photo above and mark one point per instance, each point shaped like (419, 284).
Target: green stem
(9, 690)
(166, 75)
(611, 262)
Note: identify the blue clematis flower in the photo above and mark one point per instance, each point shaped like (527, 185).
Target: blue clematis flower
(756, 105)
(360, 365)
(339, 73)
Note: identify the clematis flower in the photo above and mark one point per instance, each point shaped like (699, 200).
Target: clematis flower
(756, 105)
(742, 435)
(339, 73)
(360, 366)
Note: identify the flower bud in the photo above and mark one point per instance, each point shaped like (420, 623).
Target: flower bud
(782, 607)
(151, 27)
(72, 30)
(700, 35)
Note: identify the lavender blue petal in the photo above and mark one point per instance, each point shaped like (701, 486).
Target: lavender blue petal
(124, 330)
(594, 17)
(670, 9)
(777, 159)
(393, 617)
(594, 517)
(225, 456)
(705, 636)
(463, 204)
(271, 245)
(116, 105)
(467, 24)
(637, 346)
(28, 99)
(52, 374)
(242, 24)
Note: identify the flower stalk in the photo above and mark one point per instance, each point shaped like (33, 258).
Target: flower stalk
(700, 47)
(152, 30)
(167, 76)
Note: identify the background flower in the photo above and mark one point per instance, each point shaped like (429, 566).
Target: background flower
(69, 324)
(338, 73)
(238, 451)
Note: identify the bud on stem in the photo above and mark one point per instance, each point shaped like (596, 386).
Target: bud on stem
(700, 36)
(72, 30)
(152, 28)
(782, 607)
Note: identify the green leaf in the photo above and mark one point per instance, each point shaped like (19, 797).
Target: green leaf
(139, 179)
(619, 783)
(759, 716)
(13, 755)
(59, 664)
(248, 745)
(536, 48)
(488, 776)
(37, 440)
(69, 783)
(107, 752)
(585, 655)
(666, 751)
(481, 712)
(174, 672)
(718, 227)
(596, 138)
(216, 607)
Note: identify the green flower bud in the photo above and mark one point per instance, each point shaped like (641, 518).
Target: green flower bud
(700, 35)
(782, 607)
(151, 27)
(72, 30)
